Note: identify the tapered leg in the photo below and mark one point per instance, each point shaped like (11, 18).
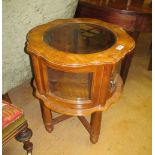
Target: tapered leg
(126, 62)
(47, 117)
(24, 136)
(95, 126)
(150, 62)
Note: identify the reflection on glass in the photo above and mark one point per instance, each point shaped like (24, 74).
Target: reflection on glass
(79, 38)
(72, 86)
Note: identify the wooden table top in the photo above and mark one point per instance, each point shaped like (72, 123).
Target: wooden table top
(56, 55)
(123, 6)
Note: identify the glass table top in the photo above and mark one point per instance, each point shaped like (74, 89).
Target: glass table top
(79, 38)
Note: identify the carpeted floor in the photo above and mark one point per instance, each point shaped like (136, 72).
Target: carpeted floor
(126, 126)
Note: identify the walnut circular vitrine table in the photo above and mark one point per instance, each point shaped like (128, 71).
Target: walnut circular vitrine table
(75, 61)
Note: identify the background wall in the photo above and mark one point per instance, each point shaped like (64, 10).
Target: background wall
(19, 16)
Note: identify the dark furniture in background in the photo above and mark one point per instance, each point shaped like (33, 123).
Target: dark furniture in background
(135, 16)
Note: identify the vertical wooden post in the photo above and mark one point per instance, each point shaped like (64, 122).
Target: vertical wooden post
(47, 117)
(95, 126)
(126, 62)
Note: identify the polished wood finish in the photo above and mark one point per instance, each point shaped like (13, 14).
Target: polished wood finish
(85, 123)
(95, 126)
(38, 49)
(133, 15)
(101, 64)
(60, 119)
(47, 117)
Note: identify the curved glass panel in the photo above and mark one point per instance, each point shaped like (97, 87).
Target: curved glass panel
(71, 86)
(80, 38)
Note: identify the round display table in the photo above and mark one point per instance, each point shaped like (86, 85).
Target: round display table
(75, 65)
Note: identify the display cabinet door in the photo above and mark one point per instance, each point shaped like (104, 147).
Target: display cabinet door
(70, 86)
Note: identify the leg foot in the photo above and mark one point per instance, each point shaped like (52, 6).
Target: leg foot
(95, 126)
(48, 128)
(24, 136)
(47, 118)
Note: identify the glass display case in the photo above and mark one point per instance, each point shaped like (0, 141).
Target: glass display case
(75, 63)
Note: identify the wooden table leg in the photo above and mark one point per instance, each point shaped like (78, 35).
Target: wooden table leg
(47, 117)
(150, 61)
(95, 126)
(6, 97)
(125, 65)
(126, 62)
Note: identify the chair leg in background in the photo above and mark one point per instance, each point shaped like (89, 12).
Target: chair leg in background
(24, 136)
